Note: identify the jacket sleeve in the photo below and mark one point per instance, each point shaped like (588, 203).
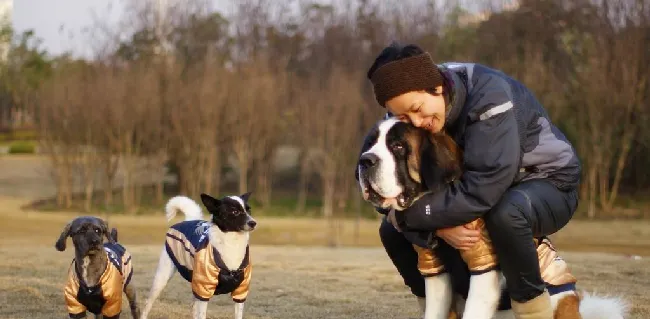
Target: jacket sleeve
(240, 293)
(490, 164)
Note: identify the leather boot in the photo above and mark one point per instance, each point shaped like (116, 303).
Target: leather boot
(536, 308)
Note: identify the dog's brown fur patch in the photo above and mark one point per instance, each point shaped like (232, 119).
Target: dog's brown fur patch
(414, 139)
(568, 308)
(443, 149)
(448, 154)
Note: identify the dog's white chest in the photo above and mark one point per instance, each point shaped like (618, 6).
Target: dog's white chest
(231, 247)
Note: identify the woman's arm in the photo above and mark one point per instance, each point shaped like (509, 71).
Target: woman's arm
(491, 162)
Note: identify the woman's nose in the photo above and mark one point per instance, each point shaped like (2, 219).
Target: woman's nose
(415, 120)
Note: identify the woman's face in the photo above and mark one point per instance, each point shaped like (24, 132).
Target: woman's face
(420, 108)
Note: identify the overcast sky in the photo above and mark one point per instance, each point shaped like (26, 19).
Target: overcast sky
(59, 23)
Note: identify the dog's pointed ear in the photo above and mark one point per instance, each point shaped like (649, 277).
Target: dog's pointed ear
(61, 242)
(245, 196)
(108, 235)
(211, 204)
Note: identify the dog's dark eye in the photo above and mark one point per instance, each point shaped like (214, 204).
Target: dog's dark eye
(397, 146)
(97, 230)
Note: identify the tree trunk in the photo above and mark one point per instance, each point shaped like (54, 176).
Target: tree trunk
(210, 169)
(88, 169)
(625, 142)
(243, 162)
(67, 180)
(357, 221)
(110, 168)
(128, 187)
(591, 181)
(160, 160)
(302, 185)
(329, 182)
(264, 183)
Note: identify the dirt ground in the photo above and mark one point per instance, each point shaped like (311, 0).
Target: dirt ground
(294, 275)
(289, 281)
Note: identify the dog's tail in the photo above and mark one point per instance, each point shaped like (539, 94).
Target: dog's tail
(603, 307)
(184, 204)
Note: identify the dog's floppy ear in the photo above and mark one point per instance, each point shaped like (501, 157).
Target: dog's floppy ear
(445, 157)
(416, 140)
(245, 196)
(211, 203)
(61, 242)
(108, 235)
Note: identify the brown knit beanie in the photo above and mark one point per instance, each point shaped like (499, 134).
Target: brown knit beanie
(414, 73)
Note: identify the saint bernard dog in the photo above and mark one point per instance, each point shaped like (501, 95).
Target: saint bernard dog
(395, 163)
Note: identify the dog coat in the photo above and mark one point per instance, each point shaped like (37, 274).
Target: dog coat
(106, 296)
(554, 270)
(480, 259)
(188, 246)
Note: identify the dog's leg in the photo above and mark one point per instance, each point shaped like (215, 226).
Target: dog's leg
(239, 310)
(133, 302)
(200, 309)
(164, 272)
(484, 295)
(438, 296)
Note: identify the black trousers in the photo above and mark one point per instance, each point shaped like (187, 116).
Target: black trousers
(530, 209)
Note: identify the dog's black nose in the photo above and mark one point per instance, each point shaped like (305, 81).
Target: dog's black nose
(95, 241)
(368, 160)
(252, 223)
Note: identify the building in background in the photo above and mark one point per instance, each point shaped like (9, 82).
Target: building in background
(6, 14)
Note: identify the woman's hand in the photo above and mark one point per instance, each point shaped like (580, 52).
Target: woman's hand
(459, 237)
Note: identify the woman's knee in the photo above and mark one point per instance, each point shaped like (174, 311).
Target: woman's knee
(511, 213)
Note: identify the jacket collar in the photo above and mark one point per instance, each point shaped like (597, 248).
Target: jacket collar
(457, 86)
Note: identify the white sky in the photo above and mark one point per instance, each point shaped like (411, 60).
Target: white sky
(59, 23)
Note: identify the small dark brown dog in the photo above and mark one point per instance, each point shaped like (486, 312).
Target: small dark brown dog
(100, 271)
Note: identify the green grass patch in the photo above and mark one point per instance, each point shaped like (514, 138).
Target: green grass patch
(22, 147)
(282, 205)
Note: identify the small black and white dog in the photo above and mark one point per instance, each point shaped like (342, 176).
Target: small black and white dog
(212, 255)
(100, 271)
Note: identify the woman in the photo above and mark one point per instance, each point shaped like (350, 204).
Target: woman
(520, 172)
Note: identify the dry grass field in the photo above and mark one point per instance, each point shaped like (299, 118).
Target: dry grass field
(295, 276)
(297, 280)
